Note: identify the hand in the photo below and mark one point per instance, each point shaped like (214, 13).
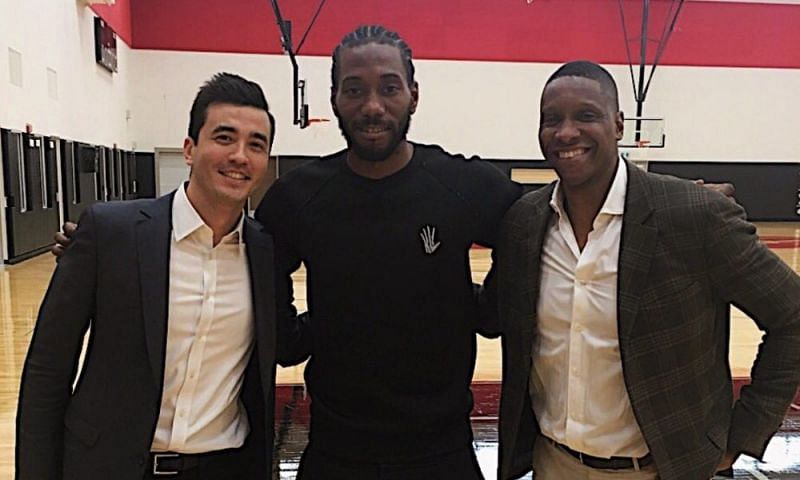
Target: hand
(726, 189)
(63, 239)
(727, 461)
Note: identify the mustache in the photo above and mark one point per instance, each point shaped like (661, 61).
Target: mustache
(367, 123)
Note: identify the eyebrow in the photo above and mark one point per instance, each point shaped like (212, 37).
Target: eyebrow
(224, 128)
(384, 76)
(229, 129)
(260, 136)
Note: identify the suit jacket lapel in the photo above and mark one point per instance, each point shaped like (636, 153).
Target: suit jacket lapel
(153, 247)
(536, 231)
(260, 263)
(636, 250)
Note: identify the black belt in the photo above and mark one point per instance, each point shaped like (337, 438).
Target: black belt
(166, 464)
(613, 463)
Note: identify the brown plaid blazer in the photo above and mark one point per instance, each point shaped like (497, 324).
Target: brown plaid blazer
(686, 253)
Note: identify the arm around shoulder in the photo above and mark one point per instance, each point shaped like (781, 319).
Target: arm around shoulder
(293, 330)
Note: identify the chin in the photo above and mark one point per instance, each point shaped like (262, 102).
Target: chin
(372, 154)
(230, 198)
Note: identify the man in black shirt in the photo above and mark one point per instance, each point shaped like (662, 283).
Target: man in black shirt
(384, 229)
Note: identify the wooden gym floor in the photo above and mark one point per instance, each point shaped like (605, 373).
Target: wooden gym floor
(22, 287)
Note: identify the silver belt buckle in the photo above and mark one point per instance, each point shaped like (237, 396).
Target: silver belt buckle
(159, 456)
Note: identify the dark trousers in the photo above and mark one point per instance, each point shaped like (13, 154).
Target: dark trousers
(224, 465)
(459, 465)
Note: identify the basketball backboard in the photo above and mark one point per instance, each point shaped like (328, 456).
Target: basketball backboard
(640, 132)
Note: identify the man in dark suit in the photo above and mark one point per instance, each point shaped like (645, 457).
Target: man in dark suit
(613, 288)
(178, 375)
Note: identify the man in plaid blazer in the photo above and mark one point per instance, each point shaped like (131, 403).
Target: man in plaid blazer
(612, 288)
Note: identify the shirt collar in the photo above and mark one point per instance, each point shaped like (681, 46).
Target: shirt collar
(186, 220)
(615, 200)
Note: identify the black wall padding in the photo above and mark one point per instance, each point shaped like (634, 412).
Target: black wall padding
(767, 191)
(145, 174)
(78, 166)
(32, 210)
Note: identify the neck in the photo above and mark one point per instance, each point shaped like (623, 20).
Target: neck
(220, 216)
(392, 164)
(583, 203)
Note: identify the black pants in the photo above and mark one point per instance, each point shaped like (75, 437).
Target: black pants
(459, 465)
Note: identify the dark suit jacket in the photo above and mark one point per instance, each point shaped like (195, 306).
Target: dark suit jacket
(114, 282)
(686, 252)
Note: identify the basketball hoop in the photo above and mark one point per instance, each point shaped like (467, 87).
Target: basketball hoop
(639, 132)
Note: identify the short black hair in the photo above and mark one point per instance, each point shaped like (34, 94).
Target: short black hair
(227, 88)
(592, 71)
(366, 34)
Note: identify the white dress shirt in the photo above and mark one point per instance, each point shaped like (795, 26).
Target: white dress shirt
(576, 383)
(209, 337)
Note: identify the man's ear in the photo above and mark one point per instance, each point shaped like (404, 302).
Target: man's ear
(333, 101)
(188, 150)
(414, 97)
(620, 123)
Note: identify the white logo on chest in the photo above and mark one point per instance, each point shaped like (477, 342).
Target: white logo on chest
(428, 236)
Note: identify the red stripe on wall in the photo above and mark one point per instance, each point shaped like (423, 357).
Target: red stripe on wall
(119, 17)
(707, 34)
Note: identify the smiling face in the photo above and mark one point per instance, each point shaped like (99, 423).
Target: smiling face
(579, 129)
(229, 159)
(373, 100)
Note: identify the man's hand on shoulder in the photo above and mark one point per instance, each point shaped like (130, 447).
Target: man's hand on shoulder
(63, 239)
(726, 189)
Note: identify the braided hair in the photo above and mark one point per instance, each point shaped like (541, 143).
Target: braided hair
(366, 34)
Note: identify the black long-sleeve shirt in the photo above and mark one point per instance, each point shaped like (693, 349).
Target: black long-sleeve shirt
(390, 296)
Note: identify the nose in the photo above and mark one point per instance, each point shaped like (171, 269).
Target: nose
(373, 105)
(567, 131)
(238, 153)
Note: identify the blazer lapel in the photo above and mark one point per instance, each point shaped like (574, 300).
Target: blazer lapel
(260, 263)
(153, 246)
(636, 250)
(536, 231)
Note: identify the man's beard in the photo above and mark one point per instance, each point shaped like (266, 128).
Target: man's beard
(372, 154)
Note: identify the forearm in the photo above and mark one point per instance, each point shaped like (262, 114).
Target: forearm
(751, 277)
(293, 330)
(488, 324)
(762, 405)
(294, 338)
(40, 428)
(46, 387)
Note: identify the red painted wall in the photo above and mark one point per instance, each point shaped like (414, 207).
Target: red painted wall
(119, 17)
(708, 33)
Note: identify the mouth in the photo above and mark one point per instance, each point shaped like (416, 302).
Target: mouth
(571, 153)
(373, 131)
(234, 175)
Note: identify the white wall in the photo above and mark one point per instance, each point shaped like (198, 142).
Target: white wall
(165, 84)
(485, 108)
(489, 108)
(59, 35)
(724, 114)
